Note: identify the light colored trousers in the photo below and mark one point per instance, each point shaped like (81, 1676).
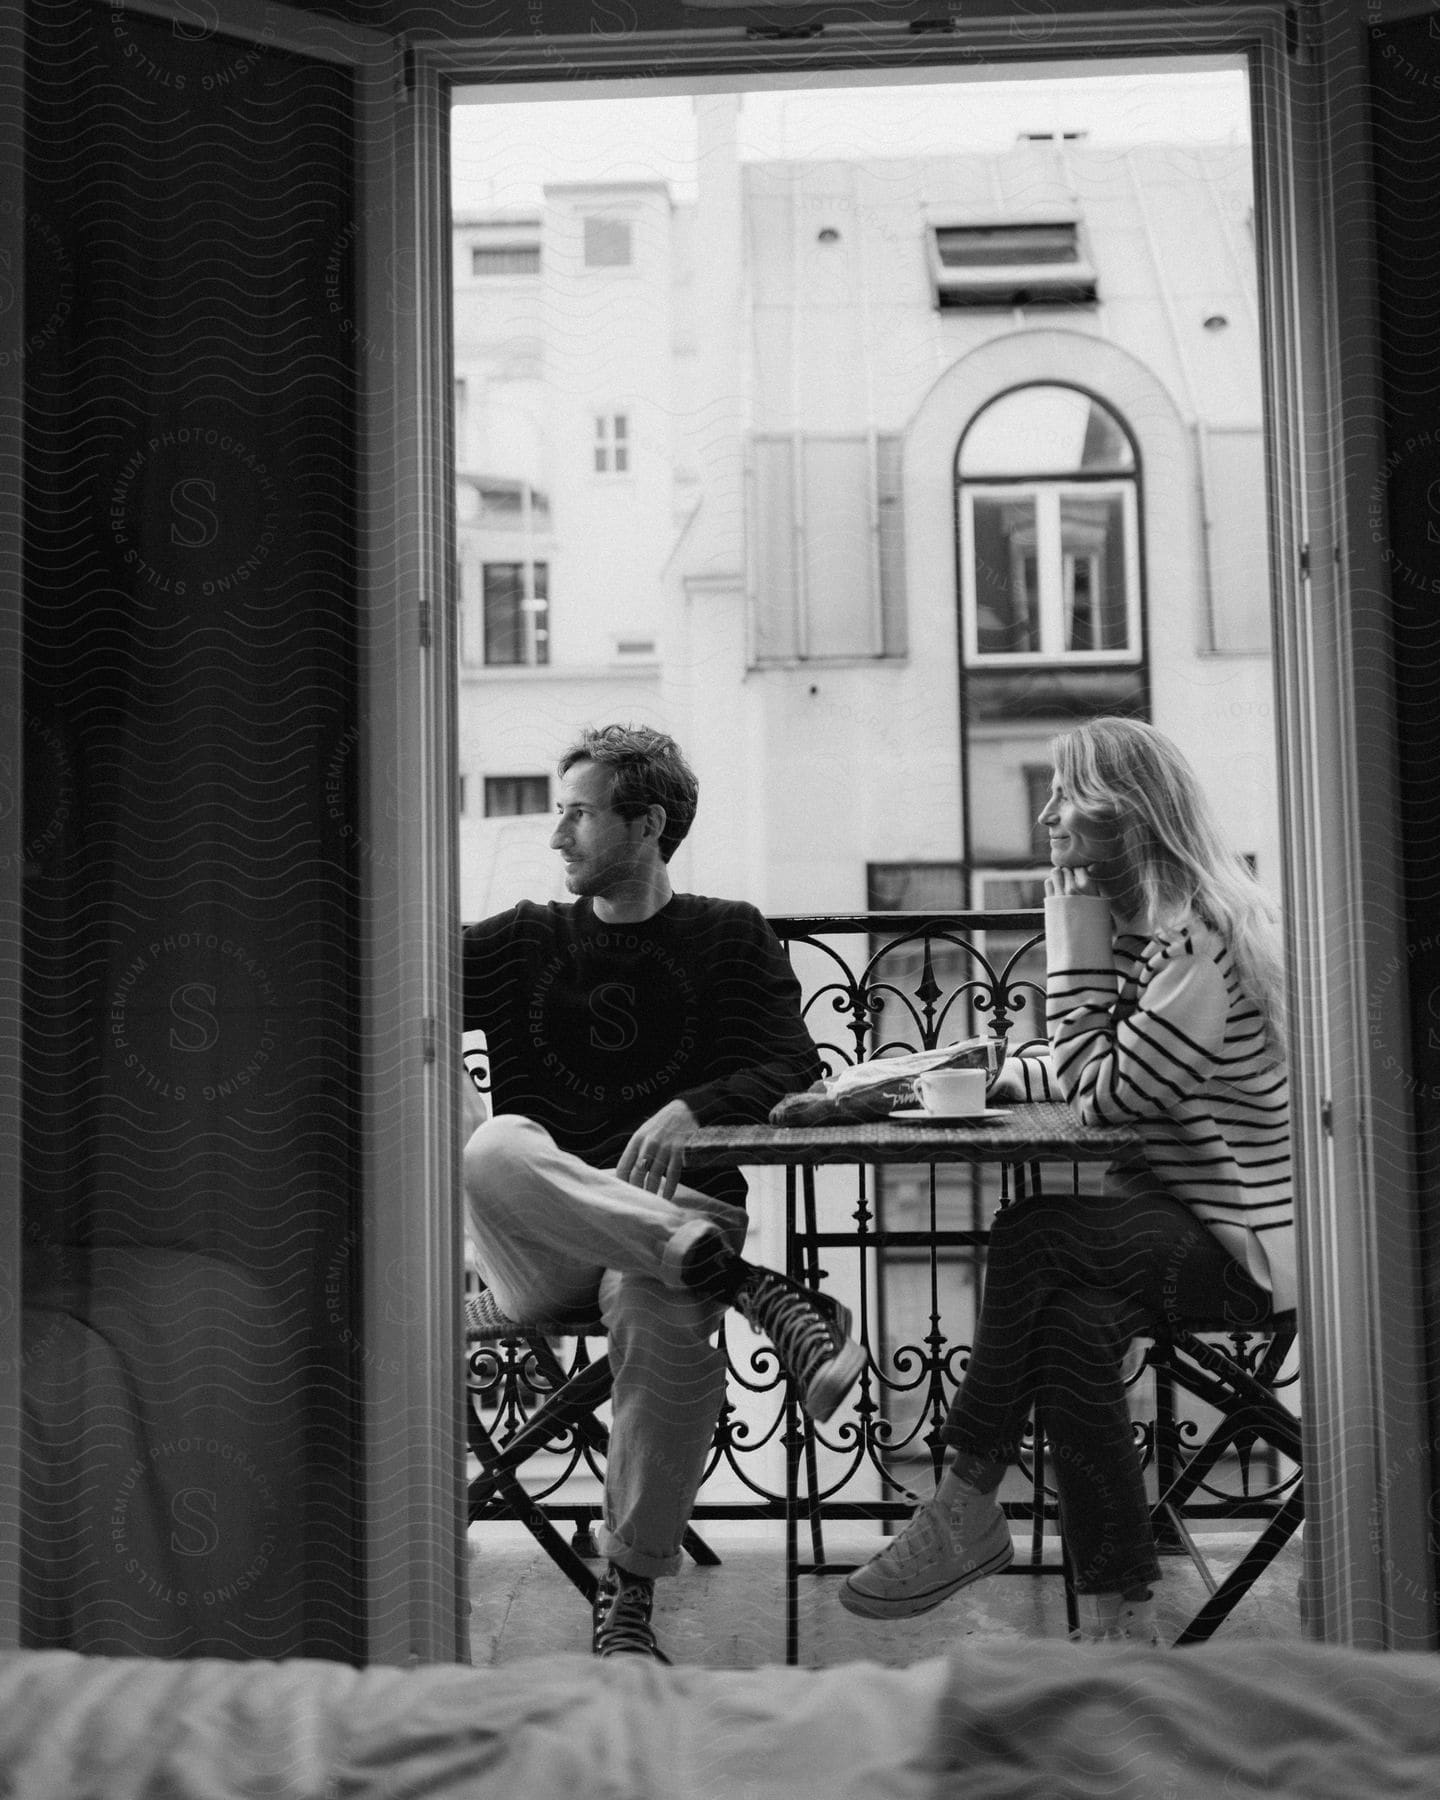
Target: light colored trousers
(551, 1233)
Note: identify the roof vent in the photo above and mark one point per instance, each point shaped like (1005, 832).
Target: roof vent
(1034, 262)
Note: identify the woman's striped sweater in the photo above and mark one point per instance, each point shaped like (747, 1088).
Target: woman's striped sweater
(1159, 1034)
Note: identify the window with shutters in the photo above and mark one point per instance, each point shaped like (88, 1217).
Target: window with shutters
(826, 547)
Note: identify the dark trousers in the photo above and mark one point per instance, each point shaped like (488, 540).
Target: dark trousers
(1068, 1281)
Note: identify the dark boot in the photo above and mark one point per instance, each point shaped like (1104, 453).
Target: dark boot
(622, 1616)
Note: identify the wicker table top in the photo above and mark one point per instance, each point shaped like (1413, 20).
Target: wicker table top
(1042, 1129)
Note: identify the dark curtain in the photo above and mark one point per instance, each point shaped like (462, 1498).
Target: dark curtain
(1405, 111)
(192, 732)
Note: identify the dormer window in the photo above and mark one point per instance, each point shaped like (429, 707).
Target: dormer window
(1034, 262)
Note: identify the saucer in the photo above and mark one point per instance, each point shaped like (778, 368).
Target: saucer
(914, 1116)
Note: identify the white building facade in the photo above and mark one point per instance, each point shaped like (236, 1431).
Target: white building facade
(862, 478)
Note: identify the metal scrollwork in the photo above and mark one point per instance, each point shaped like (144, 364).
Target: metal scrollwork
(901, 982)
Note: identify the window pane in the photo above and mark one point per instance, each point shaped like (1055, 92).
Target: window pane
(1037, 778)
(1092, 547)
(1239, 553)
(1005, 577)
(612, 449)
(1106, 445)
(1012, 893)
(1045, 430)
(539, 607)
(508, 796)
(504, 624)
(1000, 246)
(500, 504)
(915, 887)
(510, 637)
(1018, 891)
(505, 259)
(607, 243)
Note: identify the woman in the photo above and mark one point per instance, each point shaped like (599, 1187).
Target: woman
(1164, 999)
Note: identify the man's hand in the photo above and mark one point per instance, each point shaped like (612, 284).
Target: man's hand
(655, 1154)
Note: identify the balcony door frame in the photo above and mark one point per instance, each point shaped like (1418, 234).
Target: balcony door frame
(1367, 1493)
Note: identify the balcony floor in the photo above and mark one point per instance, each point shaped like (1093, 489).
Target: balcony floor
(733, 1617)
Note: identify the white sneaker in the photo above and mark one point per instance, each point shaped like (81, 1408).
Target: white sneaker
(943, 1549)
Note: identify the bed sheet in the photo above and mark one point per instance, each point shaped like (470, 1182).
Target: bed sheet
(88, 1728)
(1037, 1721)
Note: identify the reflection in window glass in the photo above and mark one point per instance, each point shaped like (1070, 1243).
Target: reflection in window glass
(997, 246)
(1050, 568)
(1037, 778)
(1007, 577)
(512, 796)
(516, 622)
(1092, 547)
(1046, 430)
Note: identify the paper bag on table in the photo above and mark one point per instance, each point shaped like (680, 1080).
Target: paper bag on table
(873, 1090)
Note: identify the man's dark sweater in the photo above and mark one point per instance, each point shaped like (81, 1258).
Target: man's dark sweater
(592, 1028)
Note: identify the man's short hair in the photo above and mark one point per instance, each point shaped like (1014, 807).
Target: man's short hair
(647, 768)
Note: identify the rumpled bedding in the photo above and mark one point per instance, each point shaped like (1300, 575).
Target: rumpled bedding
(562, 1728)
(1042, 1721)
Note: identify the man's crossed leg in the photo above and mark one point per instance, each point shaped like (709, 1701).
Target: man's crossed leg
(551, 1234)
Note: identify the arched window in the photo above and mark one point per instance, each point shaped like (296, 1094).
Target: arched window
(1049, 532)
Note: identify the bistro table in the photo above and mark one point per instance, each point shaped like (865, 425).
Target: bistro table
(1026, 1137)
(1028, 1133)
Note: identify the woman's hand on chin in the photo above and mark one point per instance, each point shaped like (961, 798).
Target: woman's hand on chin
(1068, 882)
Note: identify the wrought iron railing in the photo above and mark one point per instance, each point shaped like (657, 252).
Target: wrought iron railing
(925, 979)
(916, 981)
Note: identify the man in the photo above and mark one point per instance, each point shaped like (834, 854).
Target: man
(614, 1027)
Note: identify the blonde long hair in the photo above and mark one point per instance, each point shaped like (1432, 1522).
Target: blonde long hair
(1170, 859)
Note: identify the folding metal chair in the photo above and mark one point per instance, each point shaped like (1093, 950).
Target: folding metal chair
(508, 1359)
(1240, 1384)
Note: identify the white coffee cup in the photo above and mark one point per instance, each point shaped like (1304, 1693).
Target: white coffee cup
(952, 1093)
